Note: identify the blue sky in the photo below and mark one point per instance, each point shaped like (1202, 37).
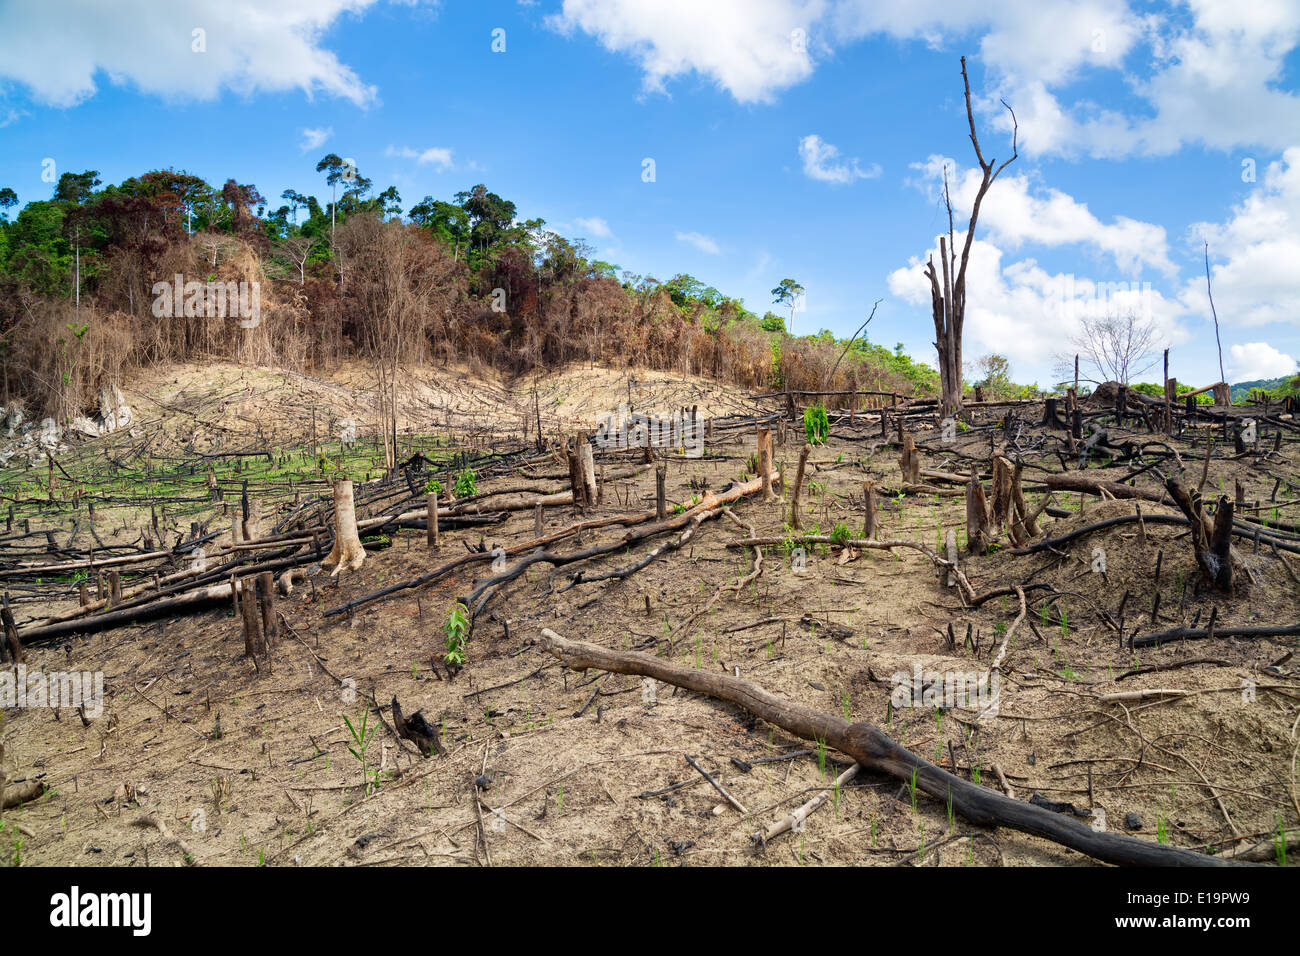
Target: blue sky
(801, 138)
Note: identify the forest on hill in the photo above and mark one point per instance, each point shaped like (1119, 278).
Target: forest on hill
(87, 279)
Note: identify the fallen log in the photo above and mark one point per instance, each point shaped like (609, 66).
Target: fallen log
(86, 564)
(710, 506)
(21, 793)
(1094, 486)
(1194, 633)
(438, 572)
(1237, 530)
(877, 752)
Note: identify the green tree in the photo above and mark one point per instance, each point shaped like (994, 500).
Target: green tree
(336, 171)
(490, 217)
(447, 221)
(996, 372)
(76, 188)
(788, 293)
(390, 202)
(40, 256)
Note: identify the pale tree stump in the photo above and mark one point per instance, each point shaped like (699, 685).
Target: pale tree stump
(347, 552)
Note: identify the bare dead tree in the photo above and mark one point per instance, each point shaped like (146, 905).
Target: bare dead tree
(296, 251)
(1113, 348)
(948, 296)
(1209, 291)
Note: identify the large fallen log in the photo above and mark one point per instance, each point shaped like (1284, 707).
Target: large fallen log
(1072, 481)
(1223, 630)
(876, 751)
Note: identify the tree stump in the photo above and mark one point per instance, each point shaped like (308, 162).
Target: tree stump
(765, 461)
(347, 551)
(431, 520)
(977, 515)
(254, 640)
(910, 461)
(798, 485)
(14, 646)
(1211, 542)
(266, 604)
(869, 521)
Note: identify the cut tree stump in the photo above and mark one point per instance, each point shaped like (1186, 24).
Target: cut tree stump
(347, 552)
(765, 461)
(1211, 543)
(14, 646)
(798, 486)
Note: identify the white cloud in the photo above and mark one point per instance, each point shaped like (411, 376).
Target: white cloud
(1013, 213)
(596, 226)
(1200, 72)
(315, 138)
(750, 48)
(439, 156)
(1028, 314)
(699, 241)
(821, 161)
(1256, 360)
(61, 50)
(1254, 253)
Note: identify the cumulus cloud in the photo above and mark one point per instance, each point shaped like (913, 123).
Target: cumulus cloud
(1015, 213)
(1256, 360)
(60, 51)
(821, 161)
(1028, 314)
(315, 138)
(436, 156)
(750, 48)
(595, 226)
(699, 241)
(1254, 252)
(1201, 72)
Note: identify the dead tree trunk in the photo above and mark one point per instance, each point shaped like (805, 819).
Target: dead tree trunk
(948, 284)
(1212, 543)
(765, 461)
(587, 469)
(254, 639)
(347, 551)
(798, 486)
(977, 515)
(910, 461)
(11, 632)
(266, 605)
(869, 520)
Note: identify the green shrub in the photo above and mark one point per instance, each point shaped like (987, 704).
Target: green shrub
(466, 484)
(816, 425)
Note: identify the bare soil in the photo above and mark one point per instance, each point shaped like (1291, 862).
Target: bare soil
(247, 768)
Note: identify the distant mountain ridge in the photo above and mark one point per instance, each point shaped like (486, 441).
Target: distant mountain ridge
(1241, 389)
